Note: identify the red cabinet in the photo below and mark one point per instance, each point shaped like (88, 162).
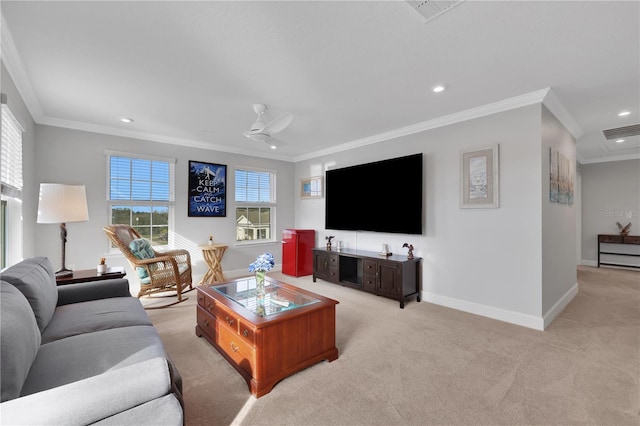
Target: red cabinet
(297, 254)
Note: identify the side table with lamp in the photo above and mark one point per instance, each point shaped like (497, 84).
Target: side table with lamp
(60, 203)
(88, 275)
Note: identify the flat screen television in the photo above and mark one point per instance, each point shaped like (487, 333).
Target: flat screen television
(383, 196)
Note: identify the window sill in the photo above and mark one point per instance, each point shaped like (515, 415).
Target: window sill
(255, 243)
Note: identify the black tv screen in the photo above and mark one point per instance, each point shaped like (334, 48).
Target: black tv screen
(384, 196)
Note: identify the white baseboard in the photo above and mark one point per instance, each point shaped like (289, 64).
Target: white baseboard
(517, 318)
(586, 262)
(560, 305)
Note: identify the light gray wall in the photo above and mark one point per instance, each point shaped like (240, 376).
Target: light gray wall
(30, 190)
(559, 276)
(78, 157)
(486, 261)
(610, 194)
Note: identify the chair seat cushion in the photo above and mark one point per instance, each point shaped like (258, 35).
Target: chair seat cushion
(141, 248)
(181, 269)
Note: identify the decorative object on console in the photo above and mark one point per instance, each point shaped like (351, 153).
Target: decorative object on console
(210, 239)
(262, 264)
(328, 238)
(385, 250)
(410, 247)
(479, 178)
(59, 203)
(624, 230)
(102, 266)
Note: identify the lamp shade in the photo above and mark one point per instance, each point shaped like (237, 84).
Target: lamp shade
(61, 203)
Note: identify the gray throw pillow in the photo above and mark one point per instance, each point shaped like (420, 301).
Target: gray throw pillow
(19, 340)
(35, 278)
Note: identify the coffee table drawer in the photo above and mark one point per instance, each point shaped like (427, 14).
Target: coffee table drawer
(247, 332)
(212, 307)
(206, 322)
(242, 354)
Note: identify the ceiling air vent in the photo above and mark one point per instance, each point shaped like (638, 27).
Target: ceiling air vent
(431, 9)
(622, 132)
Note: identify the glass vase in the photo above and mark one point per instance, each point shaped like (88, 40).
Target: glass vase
(260, 283)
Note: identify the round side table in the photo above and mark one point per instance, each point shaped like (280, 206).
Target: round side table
(212, 254)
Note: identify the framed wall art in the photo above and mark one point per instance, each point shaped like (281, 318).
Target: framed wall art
(561, 178)
(479, 178)
(312, 187)
(207, 189)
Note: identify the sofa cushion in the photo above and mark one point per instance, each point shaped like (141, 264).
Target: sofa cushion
(19, 340)
(95, 315)
(160, 411)
(34, 277)
(141, 248)
(86, 355)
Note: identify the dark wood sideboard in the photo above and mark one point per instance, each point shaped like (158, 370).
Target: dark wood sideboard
(395, 277)
(617, 239)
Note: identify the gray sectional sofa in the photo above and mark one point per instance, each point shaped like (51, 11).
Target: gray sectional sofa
(80, 353)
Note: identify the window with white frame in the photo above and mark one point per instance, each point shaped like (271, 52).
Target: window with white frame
(141, 194)
(10, 187)
(255, 204)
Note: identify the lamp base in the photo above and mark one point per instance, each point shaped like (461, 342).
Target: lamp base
(64, 273)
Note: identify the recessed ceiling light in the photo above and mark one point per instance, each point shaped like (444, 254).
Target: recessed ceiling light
(273, 147)
(438, 88)
(619, 140)
(624, 113)
(126, 120)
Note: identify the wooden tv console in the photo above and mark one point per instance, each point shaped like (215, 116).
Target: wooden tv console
(617, 239)
(394, 277)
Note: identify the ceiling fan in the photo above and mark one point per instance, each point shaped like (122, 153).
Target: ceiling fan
(262, 132)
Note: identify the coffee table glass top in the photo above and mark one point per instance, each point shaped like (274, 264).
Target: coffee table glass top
(276, 299)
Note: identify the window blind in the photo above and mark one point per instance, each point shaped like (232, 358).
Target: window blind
(10, 155)
(254, 186)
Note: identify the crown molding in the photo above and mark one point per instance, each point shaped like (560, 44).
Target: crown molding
(172, 140)
(482, 111)
(610, 158)
(552, 102)
(13, 63)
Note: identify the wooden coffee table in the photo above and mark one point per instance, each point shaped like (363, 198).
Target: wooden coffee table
(267, 341)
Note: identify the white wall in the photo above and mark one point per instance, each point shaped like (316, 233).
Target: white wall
(559, 276)
(78, 157)
(486, 261)
(610, 193)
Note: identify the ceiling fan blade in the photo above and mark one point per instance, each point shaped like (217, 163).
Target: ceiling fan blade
(256, 135)
(278, 124)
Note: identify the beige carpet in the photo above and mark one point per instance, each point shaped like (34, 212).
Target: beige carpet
(430, 365)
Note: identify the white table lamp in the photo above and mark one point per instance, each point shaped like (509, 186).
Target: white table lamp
(61, 203)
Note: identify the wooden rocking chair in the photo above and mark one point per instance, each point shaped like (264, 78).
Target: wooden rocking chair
(160, 272)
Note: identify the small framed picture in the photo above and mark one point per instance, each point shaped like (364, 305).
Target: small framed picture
(312, 187)
(479, 178)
